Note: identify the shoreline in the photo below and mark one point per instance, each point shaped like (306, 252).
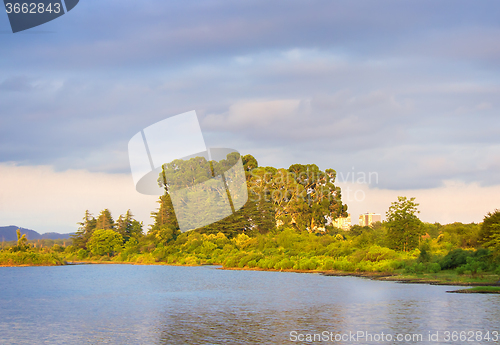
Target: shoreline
(380, 276)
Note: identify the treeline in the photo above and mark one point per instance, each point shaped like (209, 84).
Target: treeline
(287, 224)
(302, 197)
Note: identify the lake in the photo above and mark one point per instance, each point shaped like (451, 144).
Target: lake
(126, 304)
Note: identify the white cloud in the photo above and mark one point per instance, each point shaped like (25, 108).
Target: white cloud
(39, 198)
(254, 114)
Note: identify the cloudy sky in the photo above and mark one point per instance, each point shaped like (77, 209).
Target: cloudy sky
(408, 91)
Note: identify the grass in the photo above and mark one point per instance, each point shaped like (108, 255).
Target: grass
(448, 277)
(480, 289)
(486, 289)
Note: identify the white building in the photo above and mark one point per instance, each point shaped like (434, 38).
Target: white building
(367, 219)
(343, 223)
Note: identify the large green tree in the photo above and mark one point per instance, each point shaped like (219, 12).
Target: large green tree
(105, 242)
(403, 226)
(303, 195)
(489, 235)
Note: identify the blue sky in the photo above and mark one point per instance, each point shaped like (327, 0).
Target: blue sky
(407, 89)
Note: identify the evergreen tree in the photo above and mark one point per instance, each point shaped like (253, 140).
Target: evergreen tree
(105, 221)
(128, 227)
(84, 232)
(165, 227)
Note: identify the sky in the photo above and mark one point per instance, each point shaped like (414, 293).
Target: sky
(404, 92)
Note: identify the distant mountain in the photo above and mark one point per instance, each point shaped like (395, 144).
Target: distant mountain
(8, 233)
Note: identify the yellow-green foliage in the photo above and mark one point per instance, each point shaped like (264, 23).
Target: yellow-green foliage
(30, 258)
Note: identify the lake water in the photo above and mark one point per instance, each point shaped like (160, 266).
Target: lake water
(125, 304)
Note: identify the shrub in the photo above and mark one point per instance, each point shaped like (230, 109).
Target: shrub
(328, 264)
(82, 254)
(434, 267)
(454, 259)
(285, 264)
(377, 253)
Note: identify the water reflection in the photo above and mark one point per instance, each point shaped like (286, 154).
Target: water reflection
(120, 304)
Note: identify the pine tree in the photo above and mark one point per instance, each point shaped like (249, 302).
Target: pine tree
(105, 221)
(165, 214)
(84, 232)
(166, 227)
(128, 227)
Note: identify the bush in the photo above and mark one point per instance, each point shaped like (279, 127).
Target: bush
(284, 264)
(30, 258)
(230, 262)
(377, 253)
(454, 259)
(328, 264)
(82, 254)
(434, 267)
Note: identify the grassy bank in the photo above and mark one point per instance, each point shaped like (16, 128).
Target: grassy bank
(480, 290)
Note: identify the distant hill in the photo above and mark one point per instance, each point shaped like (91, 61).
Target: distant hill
(8, 233)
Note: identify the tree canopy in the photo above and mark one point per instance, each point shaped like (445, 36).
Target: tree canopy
(105, 242)
(403, 226)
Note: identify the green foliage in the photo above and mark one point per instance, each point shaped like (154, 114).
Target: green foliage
(455, 258)
(489, 234)
(105, 242)
(30, 259)
(105, 221)
(460, 235)
(425, 255)
(403, 226)
(82, 254)
(420, 267)
(249, 162)
(22, 243)
(465, 260)
(84, 232)
(128, 227)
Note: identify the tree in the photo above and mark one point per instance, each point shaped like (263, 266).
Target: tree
(128, 227)
(22, 243)
(105, 242)
(165, 227)
(84, 232)
(489, 227)
(489, 235)
(403, 226)
(249, 162)
(105, 221)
